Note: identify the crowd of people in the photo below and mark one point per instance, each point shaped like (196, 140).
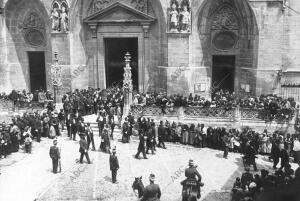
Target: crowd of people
(274, 106)
(28, 127)
(24, 98)
(108, 106)
(213, 137)
(282, 185)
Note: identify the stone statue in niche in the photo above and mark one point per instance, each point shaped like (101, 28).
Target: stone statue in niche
(60, 16)
(174, 16)
(180, 17)
(55, 20)
(185, 20)
(64, 20)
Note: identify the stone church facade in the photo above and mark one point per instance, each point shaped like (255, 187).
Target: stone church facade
(177, 46)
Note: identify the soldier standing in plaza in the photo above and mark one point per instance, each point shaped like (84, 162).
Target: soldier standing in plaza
(114, 165)
(54, 155)
(152, 191)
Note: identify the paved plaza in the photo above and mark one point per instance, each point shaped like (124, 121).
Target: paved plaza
(31, 174)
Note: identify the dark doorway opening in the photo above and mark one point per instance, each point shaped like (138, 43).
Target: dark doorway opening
(37, 70)
(223, 71)
(115, 50)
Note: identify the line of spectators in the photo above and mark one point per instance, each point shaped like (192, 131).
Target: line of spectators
(273, 105)
(220, 138)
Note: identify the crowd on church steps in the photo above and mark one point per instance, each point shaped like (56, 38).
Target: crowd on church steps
(108, 105)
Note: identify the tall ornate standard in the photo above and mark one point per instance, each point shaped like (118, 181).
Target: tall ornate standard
(127, 85)
(56, 75)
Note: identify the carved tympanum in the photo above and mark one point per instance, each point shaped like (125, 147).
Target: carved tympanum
(33, 28)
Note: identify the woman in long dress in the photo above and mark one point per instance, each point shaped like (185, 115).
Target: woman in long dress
(52, 132)
(105, 142)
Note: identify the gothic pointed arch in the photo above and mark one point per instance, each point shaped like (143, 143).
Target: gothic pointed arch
(229, 27)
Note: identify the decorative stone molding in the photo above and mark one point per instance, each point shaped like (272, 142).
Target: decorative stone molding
(93, 27)
(98, 5)
(225, 19)
(145, 26)
(119, 13)
(224, 28)
(33, 29)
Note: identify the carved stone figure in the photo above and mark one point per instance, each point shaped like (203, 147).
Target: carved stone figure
(180, 16)
(185, 20)
(55, 20)
(174, 15)
(64, 20)
(60, 16)
(33, 28)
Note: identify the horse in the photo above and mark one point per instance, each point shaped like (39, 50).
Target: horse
(190, 190)
(139, 186)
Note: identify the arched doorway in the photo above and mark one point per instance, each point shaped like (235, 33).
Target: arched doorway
(229, 38)
(28, 43)
(120, 27)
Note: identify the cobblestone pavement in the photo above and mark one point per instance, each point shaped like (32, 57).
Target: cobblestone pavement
(31, 177)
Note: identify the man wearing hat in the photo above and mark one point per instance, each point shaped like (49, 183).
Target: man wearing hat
(152, 191)
(83, 149)
(142, 146)
(54, 155)
(191, 173)
(114, 165)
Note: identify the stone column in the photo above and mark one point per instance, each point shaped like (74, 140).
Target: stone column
(146, 50)
(127, 85)
(96, 75)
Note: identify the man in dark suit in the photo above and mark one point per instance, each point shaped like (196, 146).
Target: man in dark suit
(114, 165)
(90, 136)
(152, 191)
(161, 135)
(250, 155)
(74, 126)
(54, 155)
(68, 123)
(142, 146)
(84, 149)
(101, 122)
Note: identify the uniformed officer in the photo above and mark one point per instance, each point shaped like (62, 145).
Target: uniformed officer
(114, 165)
(152, 191)
(54, 155)
(191, 173)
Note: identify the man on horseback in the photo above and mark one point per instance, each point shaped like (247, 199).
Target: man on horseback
(152, 191)
(191, 173)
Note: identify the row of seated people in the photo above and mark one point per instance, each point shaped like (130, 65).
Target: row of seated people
(273, 105)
